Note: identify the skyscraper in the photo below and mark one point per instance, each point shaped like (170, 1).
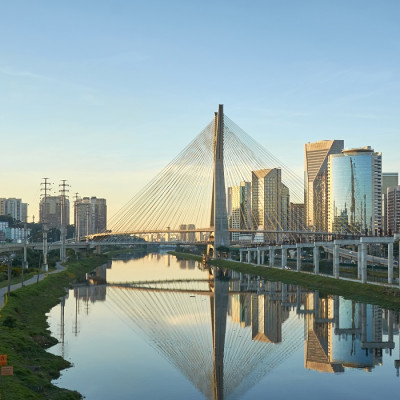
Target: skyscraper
(388, 179)
(239, 208)
(355, 191)
(50, 211)
(90, 216)
(316, 181)
(393, 209)
(15, 208)
(270, 200)
(297, 217)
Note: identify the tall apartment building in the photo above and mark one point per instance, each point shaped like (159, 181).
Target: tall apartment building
(388, 179)
(15, 208)
(191, 235)
(393, 209)
(297, 217)
(90, 216)
(50, 211)
(239, 208)
(355, 191)
(316, 181)
(270, 200)
(2, 206)
(183, 235)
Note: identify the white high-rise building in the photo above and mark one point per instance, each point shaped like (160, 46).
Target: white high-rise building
(389, 179)
(393, 209)
(316, 181)
(15, 208)
(90, 216)
(239, 208)
(270, 201)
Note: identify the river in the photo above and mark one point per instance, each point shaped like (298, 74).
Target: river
(154, 327)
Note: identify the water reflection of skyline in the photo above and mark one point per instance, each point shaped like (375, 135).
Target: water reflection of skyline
(234, 329)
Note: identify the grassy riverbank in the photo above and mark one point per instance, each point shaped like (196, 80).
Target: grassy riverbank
(24, 336)
(383, 296)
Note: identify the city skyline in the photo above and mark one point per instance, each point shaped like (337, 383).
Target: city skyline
(104, 95)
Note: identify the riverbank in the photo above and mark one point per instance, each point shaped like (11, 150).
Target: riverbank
(24, 336)
(383, 296)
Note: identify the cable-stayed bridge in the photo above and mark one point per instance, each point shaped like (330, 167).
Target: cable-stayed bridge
(210, 181)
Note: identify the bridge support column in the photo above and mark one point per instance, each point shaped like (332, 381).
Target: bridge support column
(240, 256)
(298, 254)
(363, 262)
(359, 262)
(248, 256)
(316, 259)
(271, 256)
(258, 256)
(336, 261)
(390, 263)
(98, 249)
(284, 257)
(263, 257)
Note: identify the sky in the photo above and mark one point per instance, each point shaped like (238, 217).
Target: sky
(106, 93)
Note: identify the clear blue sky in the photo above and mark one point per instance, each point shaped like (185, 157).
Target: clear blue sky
(105, 93)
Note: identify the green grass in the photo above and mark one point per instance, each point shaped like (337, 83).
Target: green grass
(186, 256)
(17, 279)
(24, 336)
(385, 297)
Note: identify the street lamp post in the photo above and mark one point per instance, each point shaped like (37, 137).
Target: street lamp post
(9, 276)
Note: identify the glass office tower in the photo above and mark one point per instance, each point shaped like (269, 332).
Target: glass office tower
(355, 197)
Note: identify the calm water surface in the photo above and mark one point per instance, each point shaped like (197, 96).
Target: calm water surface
(167, 329)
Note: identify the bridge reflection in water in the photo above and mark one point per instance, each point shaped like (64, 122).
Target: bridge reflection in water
(227, 331)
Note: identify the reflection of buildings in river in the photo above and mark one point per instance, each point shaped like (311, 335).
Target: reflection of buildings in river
(167, 260)
(317, 345)
(342, 333)
(263, 311)
(90, 293)
(240, 309)
(187, 264)
(267, 316)
(195, 333)
(355, 326)
(226, 333)
(101, 272)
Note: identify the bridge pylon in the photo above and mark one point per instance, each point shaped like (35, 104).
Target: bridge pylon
(219, 215)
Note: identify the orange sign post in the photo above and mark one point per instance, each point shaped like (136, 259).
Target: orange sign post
(3, 359)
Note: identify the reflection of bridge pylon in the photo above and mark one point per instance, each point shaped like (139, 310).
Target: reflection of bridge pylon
(219, 311)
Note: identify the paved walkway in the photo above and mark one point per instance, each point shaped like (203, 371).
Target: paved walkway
(30, 281)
